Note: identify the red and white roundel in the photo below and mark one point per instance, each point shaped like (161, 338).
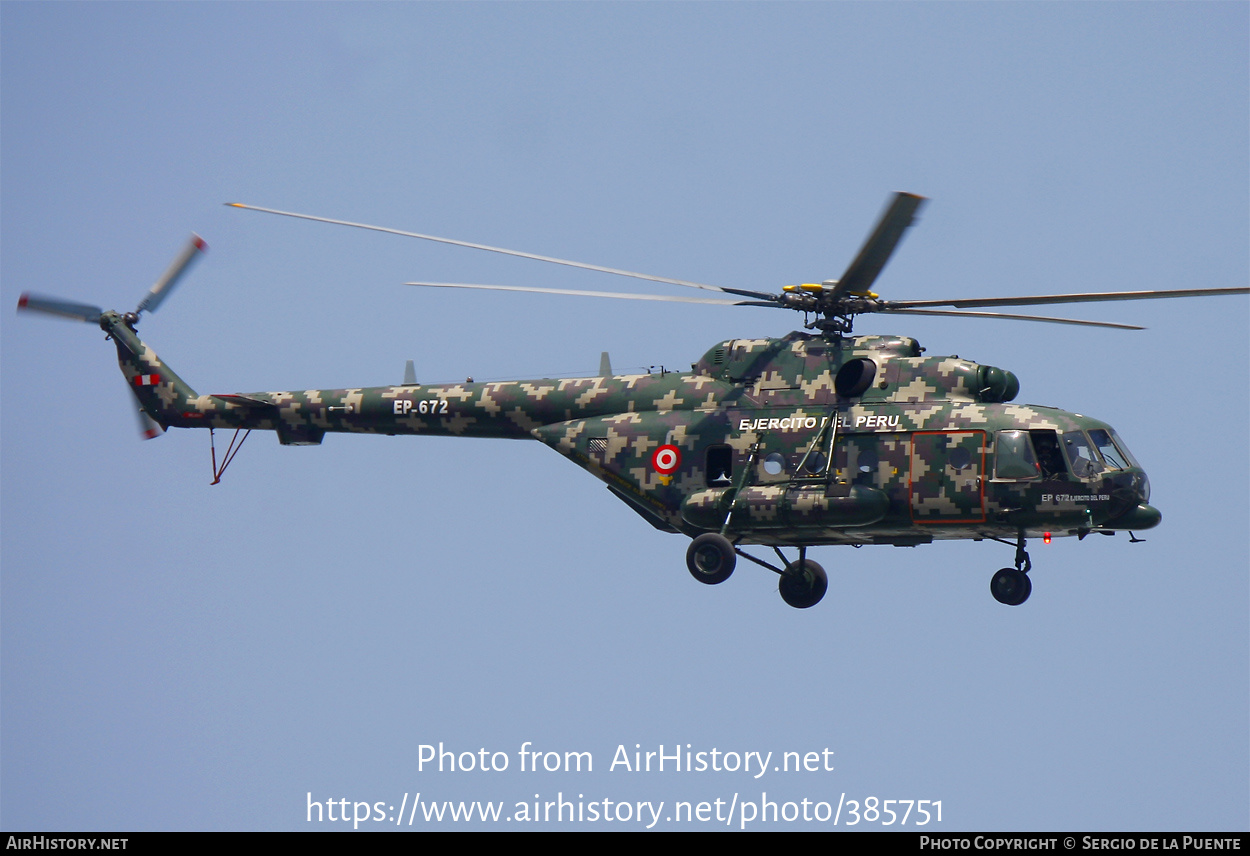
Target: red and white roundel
(666, 460)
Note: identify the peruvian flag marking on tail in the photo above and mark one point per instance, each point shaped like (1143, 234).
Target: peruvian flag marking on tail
(147, 379)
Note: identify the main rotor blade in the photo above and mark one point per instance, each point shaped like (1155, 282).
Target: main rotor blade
(160, 290)
(63, 308)
(1097, 297)
(491, 249)
(614, 294)
(880, 245)
(892, 311)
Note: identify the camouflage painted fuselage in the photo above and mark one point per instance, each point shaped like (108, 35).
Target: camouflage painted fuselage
(800, 440)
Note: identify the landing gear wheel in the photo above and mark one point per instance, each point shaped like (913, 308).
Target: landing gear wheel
(803, 584)
(1011, 586)
(711, 558)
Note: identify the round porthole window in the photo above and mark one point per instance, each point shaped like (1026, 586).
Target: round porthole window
(775, 464)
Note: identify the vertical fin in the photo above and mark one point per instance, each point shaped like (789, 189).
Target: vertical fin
(410, 374)
(605, 365)
(162, 395)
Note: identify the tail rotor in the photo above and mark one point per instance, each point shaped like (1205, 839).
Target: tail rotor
(61, 308)
(149, 428)
(155, 296)
(161, 288)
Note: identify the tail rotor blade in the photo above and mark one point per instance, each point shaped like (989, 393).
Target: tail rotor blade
(149, 428)
(170, 278)
(63, 308)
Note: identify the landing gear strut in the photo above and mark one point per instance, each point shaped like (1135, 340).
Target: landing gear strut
(711, 559)
(1012, 586)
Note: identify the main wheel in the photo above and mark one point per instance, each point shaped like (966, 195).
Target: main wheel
(803, 584)
(1011, 586)
(711, 558)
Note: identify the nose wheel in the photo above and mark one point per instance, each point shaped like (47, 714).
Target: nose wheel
(1012, 586)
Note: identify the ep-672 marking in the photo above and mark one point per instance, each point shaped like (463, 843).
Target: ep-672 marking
(435, 406)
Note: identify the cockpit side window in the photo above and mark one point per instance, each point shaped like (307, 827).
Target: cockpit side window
(1080, 455)
(1014, 457)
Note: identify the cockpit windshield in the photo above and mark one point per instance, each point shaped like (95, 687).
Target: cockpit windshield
(1112, 448)
(1033, 454)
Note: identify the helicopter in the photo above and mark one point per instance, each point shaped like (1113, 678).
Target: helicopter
(811, 439)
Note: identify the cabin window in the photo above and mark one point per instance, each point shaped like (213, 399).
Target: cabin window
(775, 464)
(1014, 457)
(1049, 457)
(1080, 455)
(862, 459)
(719, 465)
(815, 465)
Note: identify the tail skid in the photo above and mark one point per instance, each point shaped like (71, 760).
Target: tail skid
(165, 399)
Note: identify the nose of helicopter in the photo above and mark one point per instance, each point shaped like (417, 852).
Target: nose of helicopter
(1134, 483)
(1130, 490)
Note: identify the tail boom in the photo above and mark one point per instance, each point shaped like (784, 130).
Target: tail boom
(508, 410)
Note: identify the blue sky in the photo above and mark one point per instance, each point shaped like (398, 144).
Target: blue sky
(180, 656)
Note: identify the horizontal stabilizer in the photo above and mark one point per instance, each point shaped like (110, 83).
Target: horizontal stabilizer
(245, 400)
